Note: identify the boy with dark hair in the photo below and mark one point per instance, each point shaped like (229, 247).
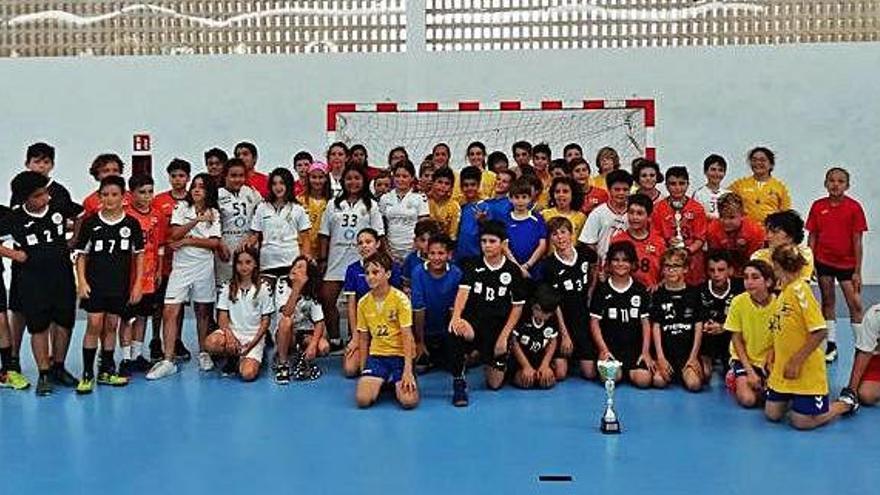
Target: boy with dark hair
(44, 280)
(425, 230)
(535, 341)
(648, 243)
(215, 161)
(682, 222)
(559, 168)
(522, 155)
(715, 168)
(734, 232)
(472, 213)
(786, 228)
(497, 161)
(434, 286)
(109, 243)
(716, 295)
(499, 206)
(487, 306)
(443, 209)
(541, 157)
(572, 151)
(302, 160)
(247, 152)
(609, 217)
(104, 165)
(527, 234)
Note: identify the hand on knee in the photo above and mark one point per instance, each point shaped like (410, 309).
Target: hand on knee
(659, 381)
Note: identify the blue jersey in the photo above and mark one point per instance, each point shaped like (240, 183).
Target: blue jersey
(356, 279)
(498, 208)
(435, 296)
(524, 236)
(410, 263)
(468, 245)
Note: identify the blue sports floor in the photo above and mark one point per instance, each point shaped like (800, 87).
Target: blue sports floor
(200, 433)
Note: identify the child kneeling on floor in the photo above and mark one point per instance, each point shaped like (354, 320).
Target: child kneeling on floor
(535, 341)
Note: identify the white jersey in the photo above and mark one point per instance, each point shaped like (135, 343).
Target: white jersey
(307, 311)
(601, 225)
(401, 215)
(342, 224)
(236, 212)
(709, 199)
(868, 340)
(281, 229)
(335, 186)
(191, 256)
(247, 310)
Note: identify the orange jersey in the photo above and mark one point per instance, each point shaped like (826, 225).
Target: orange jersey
(649, 253)
(164, 204)
(740, 244)
(595, 197)
(92, 203)
(153, 225)
(693, 224)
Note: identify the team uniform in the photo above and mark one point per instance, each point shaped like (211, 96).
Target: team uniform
(761, 198)
(259, 182)
(306, 313)
(153, 230)
(447, 214)
(315, 210)
(487, 186)
(498, 208)
(869, 341)
(593, 199)
(571, 280)
(806, 274)
(355, 283)
(281, 229)
(192, 276)
(110, 247)
(649, 255)
(524, 235)
(401, 215)
(384, 321)
(753, 322)
(692, 226)
(709, 199)
(797, 315)
(468, 235)
(44, 285)
(715, 308)
(741, 244)
(677, 312)
(342, 224)
(577, 219)
(620, 313)
(165, 203)
(236, 213)
(435, 296)
(533, 338)
(412, 261)
(492, 293)
(601, 225)
(246, 314)
(834, 227)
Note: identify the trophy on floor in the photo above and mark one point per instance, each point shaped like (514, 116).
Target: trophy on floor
(608, 369)
(678, 240)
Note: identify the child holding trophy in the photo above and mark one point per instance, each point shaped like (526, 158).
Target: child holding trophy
(682, 221)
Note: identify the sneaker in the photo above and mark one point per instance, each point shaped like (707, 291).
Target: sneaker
(60, 376)
(830, 351)
(162, 369)
(14, 380)
(156, 352)
(306, 370)
(140, 365)
(849, 397)
(44, 385)
(181, 353)
(459, 393)
(85, 386)
(205, 361)
(230, 368)
(282, 374)
(126, 368)
(730, 381)
(112, 379)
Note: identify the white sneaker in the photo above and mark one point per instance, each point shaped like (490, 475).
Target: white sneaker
(162, 369)
(205, 361)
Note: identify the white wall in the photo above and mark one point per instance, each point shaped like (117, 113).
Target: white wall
(814, 105)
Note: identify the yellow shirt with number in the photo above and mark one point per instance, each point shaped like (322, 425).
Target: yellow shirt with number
(762, 198)
(487, 186)
(577, 219)
(753, 322)
(797, 315)
(447, 214)
(765, 254)
(385, 321)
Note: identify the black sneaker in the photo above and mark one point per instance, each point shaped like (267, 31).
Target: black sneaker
(156, 352)
(181, 353)
(44, 385)
(230, 368)
(141, 365)
(126, 368)
(849, 397)
(61, 376)
(459, 393)
(830, 351)
(306, 370)
(282, 374)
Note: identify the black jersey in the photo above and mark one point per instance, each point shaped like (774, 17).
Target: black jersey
(572, 282)
(42, 238)
(533, 337)
(677, 312)
(109, 247)
(716, 305)
(59, 198)
(620, 313)
(493, 291)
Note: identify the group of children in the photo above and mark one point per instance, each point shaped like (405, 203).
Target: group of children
(525, 269)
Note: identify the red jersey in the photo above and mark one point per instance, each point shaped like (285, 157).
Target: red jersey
(164, 204)
(693, 228)
(834, 226)
(649, 253)
(259, 182)
(153, 225)
(92, 203)
(740, 244)
(594, 198)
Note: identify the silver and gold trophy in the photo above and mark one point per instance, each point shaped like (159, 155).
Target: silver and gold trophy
(678, 240)
(608, 369)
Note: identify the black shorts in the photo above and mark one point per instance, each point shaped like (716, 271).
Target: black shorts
(487, 329)
(143, 309)
(841, 274)
(677, 359)
(3, 299)
(716, 347)
(584, 347)
(43, 302)
(111, 304)
(14, 304)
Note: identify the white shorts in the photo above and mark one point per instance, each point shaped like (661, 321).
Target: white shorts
(338, 260)
(191, 283)
(257, 352)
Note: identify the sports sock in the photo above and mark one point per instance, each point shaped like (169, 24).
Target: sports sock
(5, 356)
(14, 364)
(137, 349)
(831, 325)
(107, 364)
(89, 362)
(126, 353)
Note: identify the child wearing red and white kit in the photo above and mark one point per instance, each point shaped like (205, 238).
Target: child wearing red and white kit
(682, 221)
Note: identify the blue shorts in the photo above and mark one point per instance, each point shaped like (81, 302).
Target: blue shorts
(808, 405)
(738, 369)
(388, 368)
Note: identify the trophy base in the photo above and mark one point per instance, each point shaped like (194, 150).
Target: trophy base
(610, 427)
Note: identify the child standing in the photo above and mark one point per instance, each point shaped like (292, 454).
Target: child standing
(425, 230)
(314, 200)
(609, 217)
(735, 233)
(682, 221)
(472, 213)
(236, 202)
(649, 245)
(109, 242)
(535, 341)
(300, 323)
(647, 175)
(762, 194)
(541, 156)
(607, 161)
(441, 207)
(566, 200)
(499, 206)
(526, 232)
(593, 196)
(715, 168)
(104, 165)
(402, 209)
(837, 224)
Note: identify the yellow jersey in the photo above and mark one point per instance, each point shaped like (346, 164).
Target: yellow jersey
(447, 214)
(598, 181)
(577, 219)
(797, 315)
(315, 210)
(762, 198)
(765, 254)
(385, 321)
(487, 186)
(753, 322)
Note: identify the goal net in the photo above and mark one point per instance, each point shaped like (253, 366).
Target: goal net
(626, 126)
